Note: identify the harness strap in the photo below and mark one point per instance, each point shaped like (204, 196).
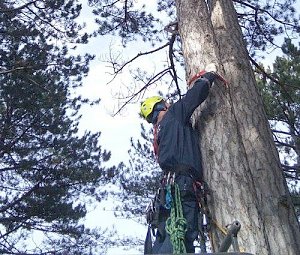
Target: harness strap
(148, 242)
(201, 192)
(155, 144)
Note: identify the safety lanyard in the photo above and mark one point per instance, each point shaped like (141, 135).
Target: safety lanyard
(155, 144)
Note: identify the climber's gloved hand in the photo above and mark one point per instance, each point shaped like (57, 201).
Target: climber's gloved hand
(210, 73)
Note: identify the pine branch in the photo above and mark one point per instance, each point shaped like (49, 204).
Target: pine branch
(3, 8)
(256, 8)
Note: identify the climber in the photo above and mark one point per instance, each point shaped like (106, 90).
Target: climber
(178, 152)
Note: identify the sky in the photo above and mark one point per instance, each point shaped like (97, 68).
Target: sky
(116, 130)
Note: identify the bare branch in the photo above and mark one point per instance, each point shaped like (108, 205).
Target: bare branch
(294, 168)
(119, 70)
(285, 145)
(281, 132)
(14, 69)
(171, 53)
(155, 78)
(172, 28)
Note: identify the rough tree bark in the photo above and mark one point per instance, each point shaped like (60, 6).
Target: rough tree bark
(241, 163)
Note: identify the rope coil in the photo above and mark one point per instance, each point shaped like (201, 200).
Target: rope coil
(176, 224)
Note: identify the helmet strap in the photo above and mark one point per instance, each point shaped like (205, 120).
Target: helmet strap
(161, 106)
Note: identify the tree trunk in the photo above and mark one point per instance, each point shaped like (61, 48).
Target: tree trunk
(240, 160)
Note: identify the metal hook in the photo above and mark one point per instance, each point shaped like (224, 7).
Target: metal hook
(173, 179)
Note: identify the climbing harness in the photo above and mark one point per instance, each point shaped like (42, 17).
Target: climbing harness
(176, 225)
(167, 202)
(161, 204)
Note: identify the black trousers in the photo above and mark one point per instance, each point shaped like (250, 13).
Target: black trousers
(162, 243)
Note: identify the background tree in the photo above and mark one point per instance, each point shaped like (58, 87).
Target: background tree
(240, 160)
(139, 181)
(48, 171)
(280, 90)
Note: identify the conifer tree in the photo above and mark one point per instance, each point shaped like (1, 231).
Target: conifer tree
(48, 171)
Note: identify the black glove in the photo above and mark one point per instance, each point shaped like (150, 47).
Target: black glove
(210, 76)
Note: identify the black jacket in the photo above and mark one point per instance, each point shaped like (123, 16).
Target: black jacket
(177, 140)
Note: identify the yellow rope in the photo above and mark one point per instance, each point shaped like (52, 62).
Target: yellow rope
(223, 230)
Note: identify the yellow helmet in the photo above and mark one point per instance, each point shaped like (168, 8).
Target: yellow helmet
(148, 105)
